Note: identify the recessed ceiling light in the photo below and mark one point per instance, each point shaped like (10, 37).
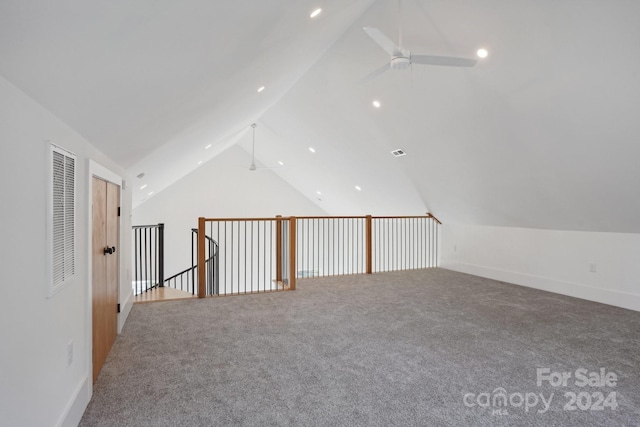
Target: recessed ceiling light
(376, 104)
(313, 150)
(199, 162)
(280, 163)
(143, 187)
(482, 53)
(315, 13)
(318, 193)
(150, 193)
(260, 89)
(207, 147)
(358, 188)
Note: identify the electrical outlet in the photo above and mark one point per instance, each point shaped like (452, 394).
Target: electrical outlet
(593, 267)
(70, 353)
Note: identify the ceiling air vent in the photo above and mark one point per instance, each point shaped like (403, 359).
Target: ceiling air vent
(399, 152)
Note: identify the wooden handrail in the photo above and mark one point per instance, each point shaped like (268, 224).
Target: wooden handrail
(429, 215)
(285, 218)
(331, 217)
(278, 218)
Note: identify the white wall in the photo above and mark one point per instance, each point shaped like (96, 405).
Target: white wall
(220, 188)
(37, 386)
(555, 261)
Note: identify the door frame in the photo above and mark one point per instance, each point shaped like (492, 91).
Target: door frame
(101, 172)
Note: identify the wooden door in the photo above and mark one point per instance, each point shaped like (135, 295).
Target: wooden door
(105, 271)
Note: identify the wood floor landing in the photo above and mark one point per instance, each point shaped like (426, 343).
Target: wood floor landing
(162, 294)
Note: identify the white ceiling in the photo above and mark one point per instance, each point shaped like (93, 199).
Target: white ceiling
(542, 133)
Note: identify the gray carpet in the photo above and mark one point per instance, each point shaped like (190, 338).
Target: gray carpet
(429, 347)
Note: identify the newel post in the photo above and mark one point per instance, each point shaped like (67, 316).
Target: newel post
(161, 255)
(369, 245)
(279, 249)
(202, 270)
(292, 253)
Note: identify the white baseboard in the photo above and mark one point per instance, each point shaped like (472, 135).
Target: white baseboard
(572, 289)
(77, 405)
(125, 309)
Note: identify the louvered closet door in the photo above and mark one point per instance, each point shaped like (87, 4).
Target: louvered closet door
(105, 270)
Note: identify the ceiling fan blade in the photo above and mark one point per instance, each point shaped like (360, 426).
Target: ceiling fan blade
(383, 41)
(447, 61)
(371, 76)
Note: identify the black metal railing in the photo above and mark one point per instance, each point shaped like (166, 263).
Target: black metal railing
(148, 262)
(248, 255)
(246, 258)
(330, 246)
(148, 257)
(212, 262)
(265, 254)
(404, 243)
(186, 280)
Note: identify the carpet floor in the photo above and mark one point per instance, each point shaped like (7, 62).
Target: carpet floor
(414, 348)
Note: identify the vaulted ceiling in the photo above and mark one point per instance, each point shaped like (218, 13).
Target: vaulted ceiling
(542, 133)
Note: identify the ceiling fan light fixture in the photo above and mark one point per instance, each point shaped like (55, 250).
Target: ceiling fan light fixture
(400, 63)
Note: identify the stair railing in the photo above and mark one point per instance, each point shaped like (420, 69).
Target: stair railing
(148, 257)
(269, 254)
(186, 279)
(212, 262)
(149, 262)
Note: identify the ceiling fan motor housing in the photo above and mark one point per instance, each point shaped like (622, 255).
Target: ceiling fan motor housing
(400, 63)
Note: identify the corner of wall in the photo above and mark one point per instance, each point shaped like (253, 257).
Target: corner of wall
(125, 309)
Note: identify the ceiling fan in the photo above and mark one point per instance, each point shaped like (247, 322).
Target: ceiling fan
(401, 59)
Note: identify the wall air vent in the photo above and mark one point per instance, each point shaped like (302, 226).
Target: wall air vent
(399, 152)
(61, 218)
